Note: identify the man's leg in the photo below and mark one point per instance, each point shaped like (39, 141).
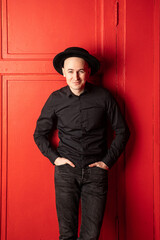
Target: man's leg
(67, 201)
(93, 201)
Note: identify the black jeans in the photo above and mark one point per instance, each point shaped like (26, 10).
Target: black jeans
(88, 184)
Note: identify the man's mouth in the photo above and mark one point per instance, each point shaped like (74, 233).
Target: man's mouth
(76, 82)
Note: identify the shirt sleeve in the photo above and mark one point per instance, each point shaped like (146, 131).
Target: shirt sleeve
(46, 123)
(120, 128)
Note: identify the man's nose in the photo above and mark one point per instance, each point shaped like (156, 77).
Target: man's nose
(76, 76)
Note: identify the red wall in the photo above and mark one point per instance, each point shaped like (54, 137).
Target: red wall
(142, 93)
(124, 35)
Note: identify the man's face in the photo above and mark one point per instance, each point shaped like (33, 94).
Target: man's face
(77, 72)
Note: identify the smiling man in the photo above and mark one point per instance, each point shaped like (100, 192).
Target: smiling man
(80, 112)
(77, 72)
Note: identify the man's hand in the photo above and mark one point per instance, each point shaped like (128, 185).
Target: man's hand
(99, 164)
(61, 161)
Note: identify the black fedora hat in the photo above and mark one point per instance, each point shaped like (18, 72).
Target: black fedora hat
(58, 60)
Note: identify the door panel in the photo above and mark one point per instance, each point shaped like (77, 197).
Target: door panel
(29, 178)
(140, 91)
(32, 30)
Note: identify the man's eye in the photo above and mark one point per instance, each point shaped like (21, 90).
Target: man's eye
(70, 71)
(81, 71)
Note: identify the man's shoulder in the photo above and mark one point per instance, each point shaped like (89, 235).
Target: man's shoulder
(56, 96)
(60, 92)
(97, 89)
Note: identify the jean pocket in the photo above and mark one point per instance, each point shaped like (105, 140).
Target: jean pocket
(61, 168)
(103, 169)
(99, 168)
(62, 165)
(97, 171)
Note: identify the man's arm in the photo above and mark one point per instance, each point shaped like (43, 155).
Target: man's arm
(120, 128)
(45, 125)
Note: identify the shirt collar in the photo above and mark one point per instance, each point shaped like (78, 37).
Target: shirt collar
(69, 92)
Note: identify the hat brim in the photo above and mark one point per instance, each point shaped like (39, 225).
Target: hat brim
(59, 59)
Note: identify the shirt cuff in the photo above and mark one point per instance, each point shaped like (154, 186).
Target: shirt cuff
(109, 162)
(52, 155)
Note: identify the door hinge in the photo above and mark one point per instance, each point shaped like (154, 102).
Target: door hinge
(117, 13)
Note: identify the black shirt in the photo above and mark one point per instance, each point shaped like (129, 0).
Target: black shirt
(82, 124)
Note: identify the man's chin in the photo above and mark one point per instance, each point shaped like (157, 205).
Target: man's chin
(77, 87)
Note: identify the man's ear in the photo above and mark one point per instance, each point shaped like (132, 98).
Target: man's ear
(63, 72)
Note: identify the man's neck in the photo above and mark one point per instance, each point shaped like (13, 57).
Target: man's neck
(77, 92)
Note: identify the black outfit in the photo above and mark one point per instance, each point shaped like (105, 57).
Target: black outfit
(82, 125)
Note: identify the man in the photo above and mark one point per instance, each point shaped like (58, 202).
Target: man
(80, 112)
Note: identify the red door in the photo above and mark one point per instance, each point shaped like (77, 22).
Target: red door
(124, 35)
